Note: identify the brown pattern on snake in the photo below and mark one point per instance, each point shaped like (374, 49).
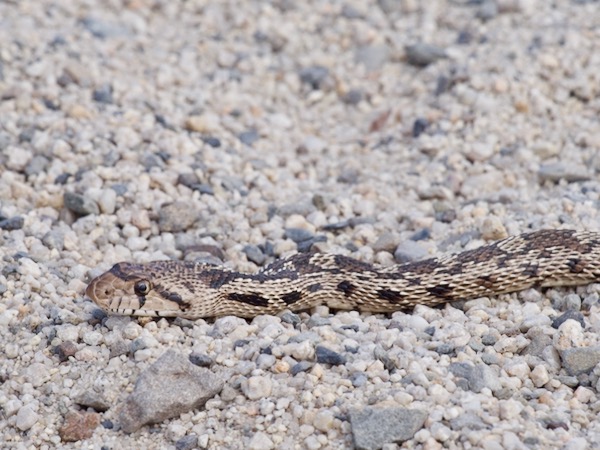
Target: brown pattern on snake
(189, 290)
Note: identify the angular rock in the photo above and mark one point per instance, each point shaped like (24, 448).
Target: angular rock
(168, 388)
(422, 54)
(580, 360)
(78, 425)
(477, 376)
(80, 205)
(374, 427)
(12, 223)
(564, 171)
(326, 356)
(176, 216)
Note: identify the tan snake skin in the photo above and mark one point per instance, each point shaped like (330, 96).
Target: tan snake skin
(193, 290)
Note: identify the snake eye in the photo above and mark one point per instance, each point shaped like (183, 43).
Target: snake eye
(141, 287)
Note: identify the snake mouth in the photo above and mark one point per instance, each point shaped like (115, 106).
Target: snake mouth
(124, 292)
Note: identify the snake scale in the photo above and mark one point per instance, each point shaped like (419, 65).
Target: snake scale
(194, 290)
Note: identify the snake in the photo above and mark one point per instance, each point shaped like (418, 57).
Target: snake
(194, 290)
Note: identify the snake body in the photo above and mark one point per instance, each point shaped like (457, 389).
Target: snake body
(194, 290)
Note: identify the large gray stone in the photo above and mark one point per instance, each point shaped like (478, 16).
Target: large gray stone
(168, 388)
(580, 360)
(374, 427)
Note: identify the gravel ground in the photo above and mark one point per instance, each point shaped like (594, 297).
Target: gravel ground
(245, 131)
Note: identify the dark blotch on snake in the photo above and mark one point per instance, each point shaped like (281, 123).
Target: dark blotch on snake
(315, 287)
(390, 295)
(251, 299)
(487, 281)
(576, 265)
(441, 291)
(291, 297)
(346, 287)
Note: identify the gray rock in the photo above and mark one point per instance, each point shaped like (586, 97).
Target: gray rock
(353, 97)
(54, 239)
(374, 427)
(477, 376)
(298, 234)
(380, 354)
(422, 54)
(80, 205)
(563, 171)
(314, 76)
(104, 29)
(467, 420)
(12, 223)
(489, 339)
(570, 314)
(567, 302)
(358, 379)
(103, 94)
(373, 57)
(255, 254)
(290, 317)
(390, 6)
(302, 208)
(26, 418)
(201, 359)
(36, 165)
(177, 216)
(318, 321)
(249, 137)
(168, 388)
(93, 399)
(302, 366)
(487, 10)
(188, 442)
(387, 242)
(580, 360)
(409, 251)
(327, 356)
(538, 342)
(188, 179)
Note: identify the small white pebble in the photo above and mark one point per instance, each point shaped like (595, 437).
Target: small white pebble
(257, 387)
(539, 375)
(26, 418)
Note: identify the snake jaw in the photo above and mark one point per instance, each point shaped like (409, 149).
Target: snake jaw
(117, 293)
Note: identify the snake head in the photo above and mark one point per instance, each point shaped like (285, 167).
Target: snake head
(128, 289)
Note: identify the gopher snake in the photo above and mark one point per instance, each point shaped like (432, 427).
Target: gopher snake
(193, 290)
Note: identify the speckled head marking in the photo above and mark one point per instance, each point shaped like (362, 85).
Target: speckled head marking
(188, 290)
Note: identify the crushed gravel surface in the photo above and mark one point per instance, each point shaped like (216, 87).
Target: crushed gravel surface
(244, 131)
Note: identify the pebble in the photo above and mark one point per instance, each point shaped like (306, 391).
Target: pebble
(422, 54)
(257, 387)
(78, 426)
(410, 251)
(176, 216)
(539, 375)
(571, 173)
(373, 56)
(327, 356)
(260, 441)
(387, 242)
(13, 223)
(569, 315)
(477, 376)
(26, 418)
(80, 205)
(580, 360)
(189, 388)
(373, 427)
(188, 442)
(314, 76)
